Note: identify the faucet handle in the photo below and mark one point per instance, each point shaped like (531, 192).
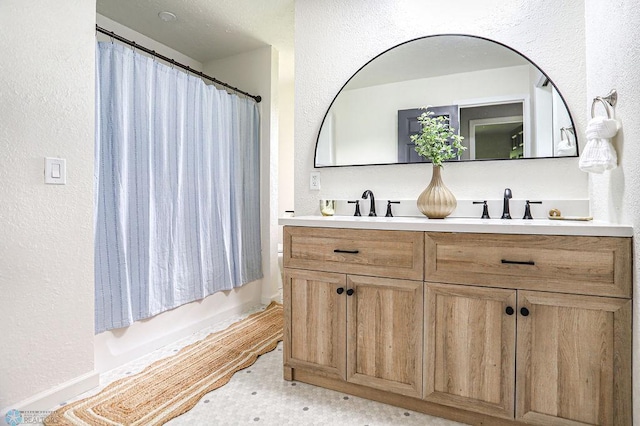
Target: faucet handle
(357, 203)
(485, 209)
(389, 202)
(527, 209)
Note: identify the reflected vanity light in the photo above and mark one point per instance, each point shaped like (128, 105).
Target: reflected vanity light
(167, 16)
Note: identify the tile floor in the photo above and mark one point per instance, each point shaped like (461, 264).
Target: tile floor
(259, 396)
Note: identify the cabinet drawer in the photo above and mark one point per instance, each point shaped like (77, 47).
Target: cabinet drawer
(566, 264)
(393, 254)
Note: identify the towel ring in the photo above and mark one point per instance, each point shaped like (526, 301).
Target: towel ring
(608, 101)
(607, 107)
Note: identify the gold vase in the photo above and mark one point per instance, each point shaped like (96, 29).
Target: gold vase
(436, 201)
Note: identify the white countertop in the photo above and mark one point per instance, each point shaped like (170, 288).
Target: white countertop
(487, 226)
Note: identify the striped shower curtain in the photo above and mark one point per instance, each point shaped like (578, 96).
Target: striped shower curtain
(177, 206)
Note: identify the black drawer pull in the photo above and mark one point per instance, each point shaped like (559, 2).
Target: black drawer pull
(517, 262)
(350, 292)
(346, 251)
(524, 312)
(340, 290)
(509, 310)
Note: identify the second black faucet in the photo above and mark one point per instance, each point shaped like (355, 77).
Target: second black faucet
(505, 205)
(368, 194)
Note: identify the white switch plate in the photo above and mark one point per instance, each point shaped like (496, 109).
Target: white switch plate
(314, 181)
(55, 171)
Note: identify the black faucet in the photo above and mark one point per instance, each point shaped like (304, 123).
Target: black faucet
(505, 206)
(368, 194)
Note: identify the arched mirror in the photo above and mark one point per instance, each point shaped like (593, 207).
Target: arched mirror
(503, 105)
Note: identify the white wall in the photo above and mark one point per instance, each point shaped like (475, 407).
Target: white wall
(46, 249)
(256, 72)
(613, 56)
(285, 149)
(334, 38)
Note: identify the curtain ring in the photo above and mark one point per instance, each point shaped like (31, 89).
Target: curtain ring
(606, 104)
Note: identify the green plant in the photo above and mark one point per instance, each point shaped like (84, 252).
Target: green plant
(437, 141)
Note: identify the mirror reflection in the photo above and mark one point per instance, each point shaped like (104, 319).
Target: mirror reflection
(503, 105)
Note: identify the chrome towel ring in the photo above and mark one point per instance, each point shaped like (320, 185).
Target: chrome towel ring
(608, 102)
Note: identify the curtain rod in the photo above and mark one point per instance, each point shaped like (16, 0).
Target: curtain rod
(133, 44)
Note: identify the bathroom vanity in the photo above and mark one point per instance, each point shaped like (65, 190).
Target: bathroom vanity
(484, 322)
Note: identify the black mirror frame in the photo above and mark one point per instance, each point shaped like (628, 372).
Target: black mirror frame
(315, 154)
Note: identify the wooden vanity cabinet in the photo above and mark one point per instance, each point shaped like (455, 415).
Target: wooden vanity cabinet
(362, 329)
(571, 353)
(502, 329)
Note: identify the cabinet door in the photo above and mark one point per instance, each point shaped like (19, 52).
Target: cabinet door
(470, 336)
(384, 334)
(574, 359)
(315, 322)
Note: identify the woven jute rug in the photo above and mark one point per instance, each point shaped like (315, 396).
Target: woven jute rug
(172, 386)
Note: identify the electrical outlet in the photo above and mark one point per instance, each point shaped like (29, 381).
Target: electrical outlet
(314, 181)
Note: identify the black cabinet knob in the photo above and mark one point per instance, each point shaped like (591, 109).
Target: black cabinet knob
(524, 312)
(509, 310)
(350, 292)
(340, 290)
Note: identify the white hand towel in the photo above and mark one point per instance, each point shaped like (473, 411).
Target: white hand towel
(599, 154)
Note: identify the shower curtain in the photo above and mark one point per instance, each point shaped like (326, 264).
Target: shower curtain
(177, 206)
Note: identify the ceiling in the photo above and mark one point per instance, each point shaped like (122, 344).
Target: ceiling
(435, 56)
(208, 30)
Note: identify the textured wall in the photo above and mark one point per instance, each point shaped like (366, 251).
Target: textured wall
(46, 249)
(612, 63)
(334, 38)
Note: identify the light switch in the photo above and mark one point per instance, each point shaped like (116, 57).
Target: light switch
(55, 171)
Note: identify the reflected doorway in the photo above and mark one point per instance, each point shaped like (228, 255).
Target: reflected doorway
(496, 138)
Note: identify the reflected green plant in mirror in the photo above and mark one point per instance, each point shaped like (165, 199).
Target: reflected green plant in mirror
(437, 141)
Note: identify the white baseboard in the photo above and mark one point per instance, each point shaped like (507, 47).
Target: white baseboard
(52, 398)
